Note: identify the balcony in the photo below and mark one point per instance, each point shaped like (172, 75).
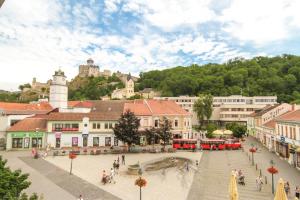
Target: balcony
(64, 129)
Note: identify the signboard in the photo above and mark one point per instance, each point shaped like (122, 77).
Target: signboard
(58, 135)
(18, 135)
(282, 139)
(22, 134)
(37, 134)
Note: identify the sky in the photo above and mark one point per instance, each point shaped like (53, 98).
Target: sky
(38, 37)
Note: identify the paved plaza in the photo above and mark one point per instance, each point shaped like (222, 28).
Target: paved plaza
(207, 182)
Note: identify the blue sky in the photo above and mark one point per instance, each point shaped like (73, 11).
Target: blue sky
(39, 36)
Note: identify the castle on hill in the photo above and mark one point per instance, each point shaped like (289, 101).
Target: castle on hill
(90, 69)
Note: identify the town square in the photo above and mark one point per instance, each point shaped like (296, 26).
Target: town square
(149, 100)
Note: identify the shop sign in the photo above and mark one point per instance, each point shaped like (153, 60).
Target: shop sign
(18, 135)
(57, 134)
(85, 135)
(37, 134)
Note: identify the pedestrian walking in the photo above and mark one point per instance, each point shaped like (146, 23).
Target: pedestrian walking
(187, 166)
(115, 165)
(118, 160)
(259, 183)
(287, 188)
(123, 159)
(297, 192)
(80, 197)
(112, 174)
(197, 163)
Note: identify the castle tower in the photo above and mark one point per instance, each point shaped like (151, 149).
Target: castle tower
(59, 90)
(129, 86)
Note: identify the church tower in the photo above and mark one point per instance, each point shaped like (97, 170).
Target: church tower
(59, 90)
(129, 87)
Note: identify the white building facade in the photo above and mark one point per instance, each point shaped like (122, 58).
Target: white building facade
(59, 91)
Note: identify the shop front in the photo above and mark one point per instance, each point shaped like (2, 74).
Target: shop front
(25, 140)
(282, 149)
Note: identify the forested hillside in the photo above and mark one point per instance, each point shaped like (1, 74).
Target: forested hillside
(278, 75)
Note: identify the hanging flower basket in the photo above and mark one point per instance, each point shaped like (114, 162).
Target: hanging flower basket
(140, 182)
(272, 170)
(72, 155)
(252, 150)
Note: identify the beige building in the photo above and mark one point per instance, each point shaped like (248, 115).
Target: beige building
(235, 108)
(151, 113)
(148, 93)
(124, 93)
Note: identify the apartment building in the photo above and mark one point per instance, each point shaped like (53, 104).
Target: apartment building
(261, 123)
(235, 108)
(287, 136)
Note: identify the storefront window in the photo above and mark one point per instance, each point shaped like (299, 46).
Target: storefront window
(57, 143)
(34, 142)
(95, 141)
(116, 142)
(26, 142)
(107, 141)
(17, 143)
(74, 141)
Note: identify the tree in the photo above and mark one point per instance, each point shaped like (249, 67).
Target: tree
(164, 132)
(238, 130)
(208, 106)
(210, 129)
(126, 130)
(199, 110)
(12, 183)
(152, 136)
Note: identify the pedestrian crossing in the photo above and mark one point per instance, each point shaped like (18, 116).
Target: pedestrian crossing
(211, 182)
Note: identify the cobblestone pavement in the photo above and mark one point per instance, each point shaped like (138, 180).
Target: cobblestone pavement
(211, 182)
(263, 157)
(71, 183)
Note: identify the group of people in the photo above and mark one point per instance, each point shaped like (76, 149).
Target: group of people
(113, 171)
(287, 190)
(240, 176)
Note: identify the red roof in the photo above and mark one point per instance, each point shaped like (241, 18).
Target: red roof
(38, 122)
(155, 107)
(25, 108)
(270, 124)
(290, 116)
(80, 104)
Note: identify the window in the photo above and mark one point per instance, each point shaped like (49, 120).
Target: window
(98, 125)
(74, 141)
(107, 141)
(106, 126)
(13, 122)
(85, 125)
(176, 123)
(95, 141)
(110, 125)
(116, 141)
(156, 123)
(94, 125)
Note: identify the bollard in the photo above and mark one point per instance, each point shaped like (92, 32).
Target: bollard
(260, 172)
(266, 180)
(256, 167)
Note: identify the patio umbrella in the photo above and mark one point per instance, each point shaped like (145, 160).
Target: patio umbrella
(280, 193)
(227, 132)
(218, 132)
(233, 193)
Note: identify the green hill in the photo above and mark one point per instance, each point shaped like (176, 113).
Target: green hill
(278, 75)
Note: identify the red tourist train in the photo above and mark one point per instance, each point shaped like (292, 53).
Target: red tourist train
(220, 144)
(207, 144)
(186, 144)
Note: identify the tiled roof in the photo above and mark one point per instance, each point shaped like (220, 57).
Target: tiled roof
(270, 124)
(25, 108)
(112, 106)
(79, 116)
(265, 110)
(164, 107)
(38, 122)
(290, 116)
(155, 107)
(138, 109)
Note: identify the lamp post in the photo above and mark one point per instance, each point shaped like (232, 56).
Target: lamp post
(140, 182)
(272, 170)
(252, 150)
(72, 156)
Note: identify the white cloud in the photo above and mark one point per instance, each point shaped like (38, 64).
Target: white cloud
(261, 21)
(172, 14)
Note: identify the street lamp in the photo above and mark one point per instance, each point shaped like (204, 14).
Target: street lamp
(272, 170)
(72, 156)
(252, 150)
(140, 182)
